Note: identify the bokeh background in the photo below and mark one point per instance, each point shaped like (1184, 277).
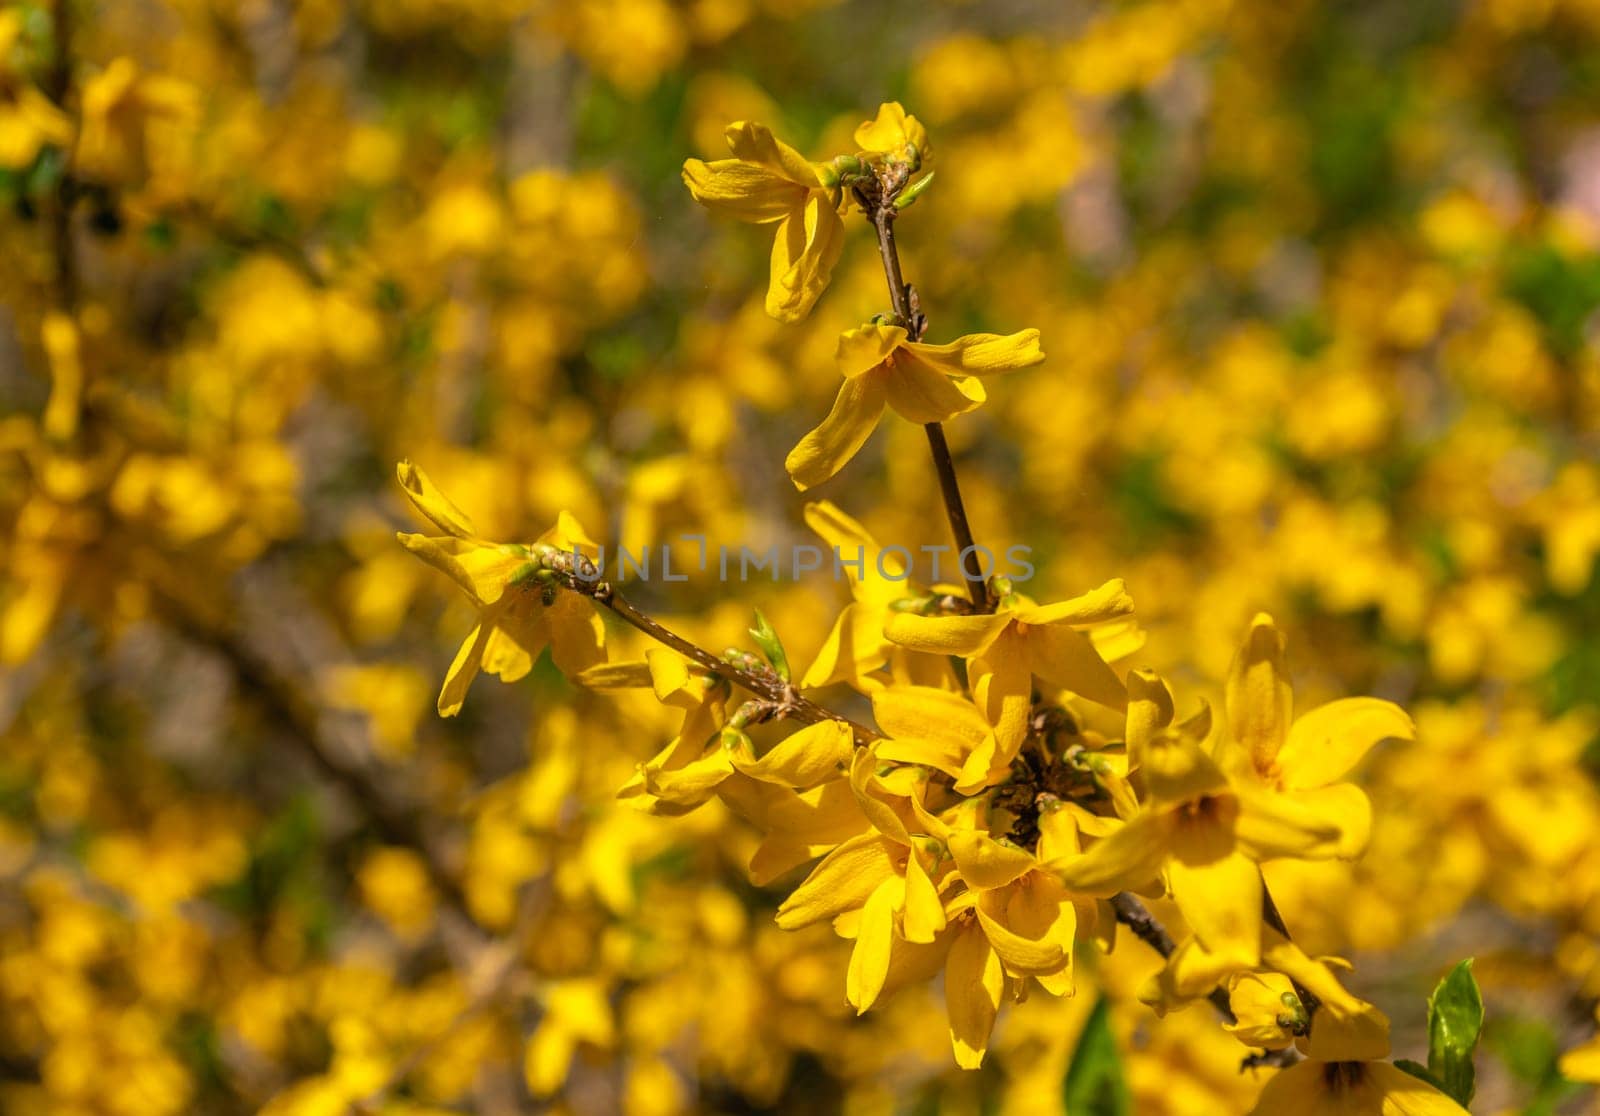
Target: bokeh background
(1318, 285)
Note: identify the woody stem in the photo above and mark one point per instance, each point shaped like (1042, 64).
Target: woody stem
(881, 208)
(764, 684)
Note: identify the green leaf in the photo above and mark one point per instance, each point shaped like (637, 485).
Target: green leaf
(771, 646)
(1455, 1018)
(1419, 1071)
(1095, 1085)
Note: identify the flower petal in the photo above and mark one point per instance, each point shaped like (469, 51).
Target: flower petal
(973, 983)
(843, 881)
(1217, 888)
(743, 190)
(921, 393)
(862, 349)
(1315, 824)
(986, 863)
(1331, 739)
(815, 754)
(946, 635)
(1129, 858)
(1259, 700)
(1105, 602)
(1065, 657)
(805, 247)
(869, 960)
(981, 354)
(755, 143)
(465, 667)
(433, 505)
(826, 450)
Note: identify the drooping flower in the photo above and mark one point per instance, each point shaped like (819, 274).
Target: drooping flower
(921, 383)
(769, 182)
(514, 622)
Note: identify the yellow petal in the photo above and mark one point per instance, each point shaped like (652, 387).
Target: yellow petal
(1331, 739)
(1023, 956)
(815, 754)
(826, 450)
(755, 143)
(742, 190)
(892, 130)
(1217, 888)
(805, 248)
(1404, 1095)
(465, 667)
(1150, 707)
(1002, 685)
(924, 914)
(946, 635)
(432, 504)
(973, 983)
(920, 393)
(869, 960)
(1129, 858)
(1258, 695)
(1318, 1089)
(843, 881)
(924, 712)
(1106, 602)
(986, 863)
(862, 349)
(1065, 657)
(615, 676)
(854, 648)
(1315, 824)
(1177, 771)
(981, 354)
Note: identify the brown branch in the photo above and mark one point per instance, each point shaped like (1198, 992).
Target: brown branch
(879, 204)
(765, 683)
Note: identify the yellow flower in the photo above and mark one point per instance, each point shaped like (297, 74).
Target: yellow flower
(1316, 1088)
(768, 181)
(119, 107)
(895, 135)
(1299, 761)
(1207, 836)
(514, 625)
(1006, 648)
(28, 121)
(922, 383)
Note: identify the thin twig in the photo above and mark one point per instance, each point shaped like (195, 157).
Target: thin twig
(880, 207)
(767, 684)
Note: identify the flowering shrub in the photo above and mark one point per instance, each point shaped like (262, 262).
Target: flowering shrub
(835, 768)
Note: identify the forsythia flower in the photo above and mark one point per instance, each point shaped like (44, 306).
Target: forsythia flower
(1299, 761)
(922, 383)
(28, 121)
(895, 135)
(768, 181)
(1208, 836)
(514, 625)
(1006, 648)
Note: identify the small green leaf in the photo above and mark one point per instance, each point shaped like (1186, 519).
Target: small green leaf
(1455, 1018)
(1417, 1070)
(1095, 1085)
(911, 193)
(771, 646)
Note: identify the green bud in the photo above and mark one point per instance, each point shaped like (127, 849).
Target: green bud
(911, 193)
(771, 646)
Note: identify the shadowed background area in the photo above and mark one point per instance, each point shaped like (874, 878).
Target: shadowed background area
(1317, 287)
